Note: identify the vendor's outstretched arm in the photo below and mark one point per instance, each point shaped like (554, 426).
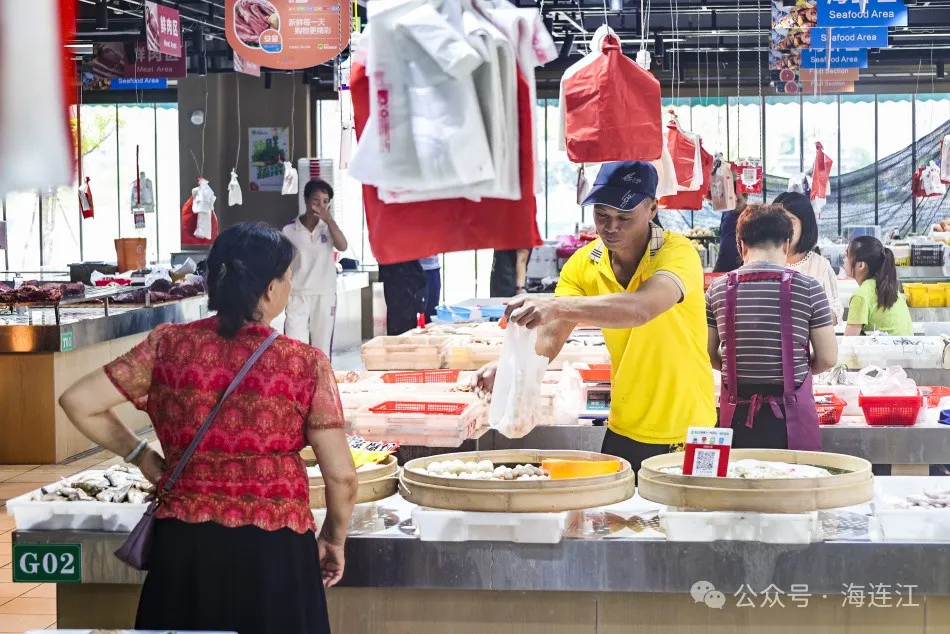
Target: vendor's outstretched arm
(552, 336)
(621, 310)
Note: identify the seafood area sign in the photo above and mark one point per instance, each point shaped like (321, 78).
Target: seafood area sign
(47, 563)
(287, 34)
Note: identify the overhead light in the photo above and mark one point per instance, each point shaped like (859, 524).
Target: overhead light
(102, 15)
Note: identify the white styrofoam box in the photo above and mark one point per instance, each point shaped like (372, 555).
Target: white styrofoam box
(883, 351)
(910, 524)
(109, 517)
(770, 528)
(437, 525)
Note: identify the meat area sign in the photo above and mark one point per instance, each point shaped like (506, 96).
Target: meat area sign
(288, 34)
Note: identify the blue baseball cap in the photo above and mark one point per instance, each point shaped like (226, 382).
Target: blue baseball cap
(623, 185)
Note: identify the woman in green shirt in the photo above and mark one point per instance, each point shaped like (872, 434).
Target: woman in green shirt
(877, 305)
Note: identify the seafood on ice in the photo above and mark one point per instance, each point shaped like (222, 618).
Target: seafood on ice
(483, 470)
(925, 500)
(119, 484)
(751, 469)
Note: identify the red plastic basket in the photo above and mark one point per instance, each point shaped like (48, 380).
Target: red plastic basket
(932, 395)
(404, 407)
(829, 413)
(891, 410)
(595, 373)
(422, 376)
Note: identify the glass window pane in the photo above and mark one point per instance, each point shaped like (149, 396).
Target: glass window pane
(23, 231)
(857, 160)
(895, 167)
(458, 276)
(136, 148)
(99, 140)
(782, 141)
(61, 229)
(933, 112)
(563, 212)
(168, 212)
(709, 122)
(348, 193)
(820, 122)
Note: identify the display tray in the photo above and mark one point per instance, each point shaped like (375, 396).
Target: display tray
(404, 353)
(850, 485)
(372, 484)
(915, 523)
(515, 496)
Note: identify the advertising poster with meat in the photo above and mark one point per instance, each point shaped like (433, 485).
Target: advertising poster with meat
(162, 29)
(241, 65)
(287, 34)
(269, 148)
(110, 67)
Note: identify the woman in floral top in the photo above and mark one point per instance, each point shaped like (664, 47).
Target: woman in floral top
(234, 546)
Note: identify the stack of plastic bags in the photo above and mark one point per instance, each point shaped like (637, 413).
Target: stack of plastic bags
(722, 186)
(443, 100)
(926, 182)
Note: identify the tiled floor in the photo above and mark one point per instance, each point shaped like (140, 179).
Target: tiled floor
(26, 606)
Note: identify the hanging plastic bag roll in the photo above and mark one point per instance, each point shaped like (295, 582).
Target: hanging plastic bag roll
(289, 186)
(235, 196)
(514, 406)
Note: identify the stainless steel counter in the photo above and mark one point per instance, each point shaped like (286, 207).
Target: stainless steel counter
(36, 330)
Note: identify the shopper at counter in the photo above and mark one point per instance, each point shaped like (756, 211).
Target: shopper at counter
(311, 309)
(728, 258)
(801, 254)
(767, 317)
(644, 287)
(234, 546)
(433, 272)
(877, 305)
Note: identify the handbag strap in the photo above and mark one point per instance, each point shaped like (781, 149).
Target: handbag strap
(185, 457)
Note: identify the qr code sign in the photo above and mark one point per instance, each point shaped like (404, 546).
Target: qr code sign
(706, 462)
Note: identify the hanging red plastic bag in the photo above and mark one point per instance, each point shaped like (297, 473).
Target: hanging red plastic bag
(612, 110)
(748, 177)
(693, 201)
(821, 174)
(916, 184)
(683, 151)
(85, 201)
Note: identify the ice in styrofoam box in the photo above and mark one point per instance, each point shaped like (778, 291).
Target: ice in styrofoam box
(403, 353)
(437, 525)
(109, 517)
(899, 520)
(712, 526)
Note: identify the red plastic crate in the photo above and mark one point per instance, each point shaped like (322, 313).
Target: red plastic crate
(422, 376)
(829, 413)
(595, 373)
(932, 395)
(404, 407)
(891, 410)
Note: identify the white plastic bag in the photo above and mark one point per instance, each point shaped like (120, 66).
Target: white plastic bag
(514, 405)
(893, 381)
(290, 179)
(569, 398)
(235, 195)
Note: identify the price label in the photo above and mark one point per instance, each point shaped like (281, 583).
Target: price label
(66, 342)
(707, 451)
(47, 563)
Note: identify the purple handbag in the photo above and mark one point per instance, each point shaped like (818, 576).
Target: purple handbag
(135, 551)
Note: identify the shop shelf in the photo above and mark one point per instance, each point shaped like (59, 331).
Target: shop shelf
(898, 411)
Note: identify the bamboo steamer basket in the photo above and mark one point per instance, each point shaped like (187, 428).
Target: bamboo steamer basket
(505, 496)
(372, 485)
(777, 495)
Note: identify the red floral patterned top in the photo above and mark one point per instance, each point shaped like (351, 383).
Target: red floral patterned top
(247, 469)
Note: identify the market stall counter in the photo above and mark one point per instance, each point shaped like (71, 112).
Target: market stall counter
(613, 572)
(44, 348)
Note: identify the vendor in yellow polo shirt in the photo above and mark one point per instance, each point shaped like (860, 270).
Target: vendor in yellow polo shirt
(644, 288)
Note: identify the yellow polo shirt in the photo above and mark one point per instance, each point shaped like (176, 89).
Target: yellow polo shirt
(662, 379)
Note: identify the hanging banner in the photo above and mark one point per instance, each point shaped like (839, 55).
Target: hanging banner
(241, 65)
(850, 37)
(832, 13)
(162, 29)
(835, 87)
(830, 74)
(269, 148)
(799, 15)
(287, 34)
(817, 59)
(111, 61)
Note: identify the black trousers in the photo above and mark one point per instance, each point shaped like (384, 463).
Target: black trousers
(405, 289)
(632, 451)
(504, 273)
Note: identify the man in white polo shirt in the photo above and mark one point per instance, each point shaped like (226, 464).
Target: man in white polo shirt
(312, 306)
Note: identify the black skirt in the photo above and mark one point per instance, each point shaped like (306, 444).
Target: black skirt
(246, 580)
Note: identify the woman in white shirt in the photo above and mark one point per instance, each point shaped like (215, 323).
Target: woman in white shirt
(801, 254)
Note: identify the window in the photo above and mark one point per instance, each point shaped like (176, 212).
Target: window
(857, 181)
(820, 125)
(895, 162)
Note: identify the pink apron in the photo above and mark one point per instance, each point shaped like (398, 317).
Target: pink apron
(800, 415)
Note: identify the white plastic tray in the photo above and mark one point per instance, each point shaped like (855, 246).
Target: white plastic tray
(109, 517)
(436, 525)
(770, 528)
(910, 524)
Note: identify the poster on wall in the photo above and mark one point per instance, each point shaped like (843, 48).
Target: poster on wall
(162, 29)
(268, 149)
(287, 34)
(129, 65)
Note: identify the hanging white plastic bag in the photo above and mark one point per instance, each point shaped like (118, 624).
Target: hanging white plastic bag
(202, 205)
(893, 381)
(569, 398)
(235, 195)
(514, 406)
(290, 180)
